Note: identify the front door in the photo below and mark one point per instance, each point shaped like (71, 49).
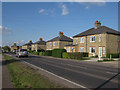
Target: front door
(100, 51)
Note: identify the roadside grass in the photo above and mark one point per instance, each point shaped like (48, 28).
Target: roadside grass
(107, 60)
(24, 76)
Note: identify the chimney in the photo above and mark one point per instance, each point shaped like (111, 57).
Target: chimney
(40, 39)
(30, 41)
(60, 34)
(97, 24)
(15, 44)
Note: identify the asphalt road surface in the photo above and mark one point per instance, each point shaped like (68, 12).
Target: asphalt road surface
(88, 74)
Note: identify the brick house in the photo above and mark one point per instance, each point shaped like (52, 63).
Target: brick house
(58, 42)
(27, 45)
(98, 40)
(14, 47)
(39, 45)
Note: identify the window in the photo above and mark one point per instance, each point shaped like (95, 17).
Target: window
(81, 49)
(82, 40)
(67, 49)
(76, 41)
(92, 38)
(92, 49)
(99, 38)
(50, 43)
(53, 43)
(103, 50)
(72, 49)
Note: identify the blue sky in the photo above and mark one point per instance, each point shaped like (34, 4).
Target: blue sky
(22, 22)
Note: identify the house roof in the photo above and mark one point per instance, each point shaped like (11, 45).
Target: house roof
(29, 43)
(99, 30)
(70, 45)
(40, 42)
(61, 38)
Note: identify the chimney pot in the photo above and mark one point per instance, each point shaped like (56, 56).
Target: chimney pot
(60, 33)
(97, 24)
(40, 39)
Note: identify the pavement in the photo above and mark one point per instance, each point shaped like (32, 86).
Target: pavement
(82, 73)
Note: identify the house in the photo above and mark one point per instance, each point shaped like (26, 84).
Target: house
(27, 45)
(14, 47)
(58, 42)
(98, 40)
(39, 45)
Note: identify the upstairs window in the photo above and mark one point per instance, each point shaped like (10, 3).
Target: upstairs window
(53, 43)
(99, 38)
(92, 49)
(50, 43)
(82, 40)
(76, 41)
(92, 38)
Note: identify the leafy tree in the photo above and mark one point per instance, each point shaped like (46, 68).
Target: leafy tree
(6, 48)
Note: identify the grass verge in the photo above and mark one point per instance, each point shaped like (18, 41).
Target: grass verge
(24, 76)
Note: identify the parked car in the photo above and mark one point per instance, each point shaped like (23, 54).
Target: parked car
(22, 53)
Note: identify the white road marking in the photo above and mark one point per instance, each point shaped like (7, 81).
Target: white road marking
(57, 75)
(111, 73)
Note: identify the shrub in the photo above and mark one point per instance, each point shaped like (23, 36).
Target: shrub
(42, 53)
(76, 55)
(58, 52)
(48, 53)
(30, 51)
(41, 50)
(65, 55)
(113, 55)
(35, 53)
(85, 54)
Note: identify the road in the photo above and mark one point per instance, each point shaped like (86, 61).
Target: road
(88, 74)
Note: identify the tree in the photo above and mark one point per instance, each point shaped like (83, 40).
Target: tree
(6, 48)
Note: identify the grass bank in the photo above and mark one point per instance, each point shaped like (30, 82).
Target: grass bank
(24, 76)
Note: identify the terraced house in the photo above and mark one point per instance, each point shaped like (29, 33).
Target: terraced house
(27, 45)
(98, 40)
(58, 42)
(14, 47)
(39, 45)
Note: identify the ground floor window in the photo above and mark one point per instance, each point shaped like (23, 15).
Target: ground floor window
(67, 49)
(81, 49)
(92, 49)
(72, 49)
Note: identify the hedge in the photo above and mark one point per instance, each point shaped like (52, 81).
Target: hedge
(42, 53)
(113, 55)
(48, 53)
(35, 53)
(41, 50)
(85, 54)
(76, 55)
(58, 52)
(65, 55)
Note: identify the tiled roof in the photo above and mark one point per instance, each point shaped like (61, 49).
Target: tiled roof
(40, 42)
(28, 44)
(99, 30)
(70, 45)
(61, 38)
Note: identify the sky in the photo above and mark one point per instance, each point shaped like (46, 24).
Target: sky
(24, 21)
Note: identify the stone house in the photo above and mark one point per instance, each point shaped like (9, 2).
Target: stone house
(27, 45)
(98, 40)
(14, 47)
(39, 45)
(58, 42)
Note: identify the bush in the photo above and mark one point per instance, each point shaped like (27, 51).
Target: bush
(58, 52)
(41, 50)
(113, 55)
(85, 54)
(35, 53)
(48, 53)
(30, 51)
(76, 55)
(42, 53)
(65, 55)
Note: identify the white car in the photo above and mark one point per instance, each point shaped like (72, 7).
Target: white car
(22, 53)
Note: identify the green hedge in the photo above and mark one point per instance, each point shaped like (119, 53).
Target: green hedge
(85, 54)
(48, 53)
(42, 53)
(35, 53)
(113, 55)
(76, 55)
(58, 52)
(65, 55)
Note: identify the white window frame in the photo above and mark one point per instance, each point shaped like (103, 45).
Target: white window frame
(99, 38)
(91, 49)
(92, 38)
(82, 39)
(81, 49)
(50, 43)
(76, 41)
(53, 43)
(72, 49)
(103, 50)
(67, 49)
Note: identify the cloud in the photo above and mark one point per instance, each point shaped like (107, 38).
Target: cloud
(41, 10)
(87, 7)
(64, 10)
(5, 30)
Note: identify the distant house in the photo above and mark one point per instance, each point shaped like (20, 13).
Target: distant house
(27, 45)
(98, 40)
(58, 42)
(14, 47)
(39, 45)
